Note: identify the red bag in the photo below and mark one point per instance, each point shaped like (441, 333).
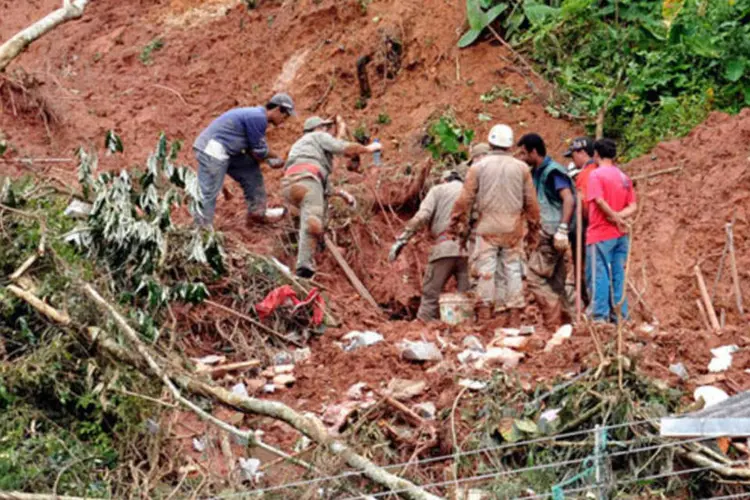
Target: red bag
(286, 296)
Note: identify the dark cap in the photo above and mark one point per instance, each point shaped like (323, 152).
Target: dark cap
(578, 144)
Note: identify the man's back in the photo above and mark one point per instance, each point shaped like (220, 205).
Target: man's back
(317, 148)
(444, 197)
(504, 189)
(237, 129)
(610, 184)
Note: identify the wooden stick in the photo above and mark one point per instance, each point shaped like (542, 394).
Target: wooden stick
(17, 495)
(23, 268)
(654, 174)
(242, 365)
(40, 306)
(714, 321)
(641, 300)
(579, 258)
(704, 316)
(356, 283)
(733, 268)
(252, 321)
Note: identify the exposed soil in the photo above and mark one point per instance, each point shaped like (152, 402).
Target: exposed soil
(218, 55)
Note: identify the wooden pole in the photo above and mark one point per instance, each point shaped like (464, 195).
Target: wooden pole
(733, 267)
(658, 172)
(702, 311)
(579, 258)
(713, 320)
(356, 283)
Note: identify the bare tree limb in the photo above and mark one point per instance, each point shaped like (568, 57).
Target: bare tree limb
(39, 305)
(17, 495)
(18, 43)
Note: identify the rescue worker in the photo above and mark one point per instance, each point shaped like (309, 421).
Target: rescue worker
(499, 189)
(234, 144)
(581, 151)
(548, 263)
(446, 258)
(476, 153)
(306, 188)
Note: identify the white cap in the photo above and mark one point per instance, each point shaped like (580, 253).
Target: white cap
(501, 136)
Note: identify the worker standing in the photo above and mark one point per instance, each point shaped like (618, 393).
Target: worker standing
(611, 201)
(548, 266)
(306, 185)
(581, 151)
(233, 144)
(446, 258)
(500, 191)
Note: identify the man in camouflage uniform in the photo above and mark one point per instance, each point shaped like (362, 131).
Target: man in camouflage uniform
(446, 258)
(499, 189)
(305, 184)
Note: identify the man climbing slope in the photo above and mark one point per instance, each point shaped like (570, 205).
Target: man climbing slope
(611, 202)
(547, 263)
(500, 191)
(233, 144)
(446, 258)
(305, 184)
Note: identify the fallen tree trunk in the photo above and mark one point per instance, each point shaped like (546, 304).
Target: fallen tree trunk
(18, 43)
(309, 427)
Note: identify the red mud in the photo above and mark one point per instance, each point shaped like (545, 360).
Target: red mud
(93, 79)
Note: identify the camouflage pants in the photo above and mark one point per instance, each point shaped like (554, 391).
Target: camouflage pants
(498, 275)
(306, 196)
(547, 276)
(436, 275)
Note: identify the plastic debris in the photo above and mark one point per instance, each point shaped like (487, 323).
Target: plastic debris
(78, 210)
(473, 343)
(711, 395)
(426, 410)
(679, 370)
(283, 358)
(152, 426)
(550, 415)
(355, 391)
(722, 359)
(199, 444)
(420, 351)
(504, 356)
(359, 339)
(240, 390)
(269, 388)
(249, 468)
(286, 296)
(472, 385)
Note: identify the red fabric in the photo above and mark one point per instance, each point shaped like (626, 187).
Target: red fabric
(305, 168)
(286, 296)
(582, 184)
(613, 186)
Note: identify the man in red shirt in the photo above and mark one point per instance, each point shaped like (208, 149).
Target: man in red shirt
(611, 201)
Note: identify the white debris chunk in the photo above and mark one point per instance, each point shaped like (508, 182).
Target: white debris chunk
(711, 395)
(249, 468)
(78, 210)
(199, 444)
(361, 339)
(420, 351)
(240, 390)
(722, 359)
(473, 385)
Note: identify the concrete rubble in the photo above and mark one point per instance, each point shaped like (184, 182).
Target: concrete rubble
(402, 389)
(420, 351)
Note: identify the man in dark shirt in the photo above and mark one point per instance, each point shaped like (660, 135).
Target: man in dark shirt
(233, 144)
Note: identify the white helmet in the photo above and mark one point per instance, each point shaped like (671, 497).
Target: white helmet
(501, 136)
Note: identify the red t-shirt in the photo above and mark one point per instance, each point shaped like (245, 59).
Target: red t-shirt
(613, 186)
(582, 184)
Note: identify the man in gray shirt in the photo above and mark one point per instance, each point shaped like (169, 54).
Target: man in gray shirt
(305, 184)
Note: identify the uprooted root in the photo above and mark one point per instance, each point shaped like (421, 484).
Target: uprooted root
(21, 95)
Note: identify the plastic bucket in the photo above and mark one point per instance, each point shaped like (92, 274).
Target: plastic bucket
(455, 308)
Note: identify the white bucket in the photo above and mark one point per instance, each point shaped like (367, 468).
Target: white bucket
(455, 308)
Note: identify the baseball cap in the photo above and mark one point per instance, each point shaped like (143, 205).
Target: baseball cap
(314, 122)
(578, 144)
(479, 149)
(283, 101)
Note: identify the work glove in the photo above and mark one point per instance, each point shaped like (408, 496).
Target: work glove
(396, 249)
(373, 147)
(561, 241)
(275, 162)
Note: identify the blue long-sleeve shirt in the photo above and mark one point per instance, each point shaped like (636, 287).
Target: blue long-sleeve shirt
(238, 129)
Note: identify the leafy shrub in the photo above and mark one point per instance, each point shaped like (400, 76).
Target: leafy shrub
(153, 46)
(448, 141)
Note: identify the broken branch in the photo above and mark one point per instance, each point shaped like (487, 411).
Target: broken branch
(356, 283)
(252, 321)
(706, 299)
(658, 172)
(39, 305)
(733, 268)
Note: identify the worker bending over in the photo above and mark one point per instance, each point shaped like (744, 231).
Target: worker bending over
(446, 258)
(306, 185)
(499, 190)
(233, 144)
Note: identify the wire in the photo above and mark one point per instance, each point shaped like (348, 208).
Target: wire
(493, 475)
(728, 497)
(345, 475)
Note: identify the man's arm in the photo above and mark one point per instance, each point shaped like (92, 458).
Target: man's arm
(422, 217)
(628, 211)
(459, 225)
(568, 205)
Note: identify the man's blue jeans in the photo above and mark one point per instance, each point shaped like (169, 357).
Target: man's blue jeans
(243, 169)
(605, 275)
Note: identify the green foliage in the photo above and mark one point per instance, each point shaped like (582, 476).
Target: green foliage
(384, 119)
(361, 103)
(448, 141)
(639, 58)
(361, 134)
(505, 93)
(154, 45)
(479, 18)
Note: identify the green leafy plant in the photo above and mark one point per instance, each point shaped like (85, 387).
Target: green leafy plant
(479, 18)
(384, 119)
(448, 140)
(113, 143)
(154, 45)
(361, 134)
(505, 93)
